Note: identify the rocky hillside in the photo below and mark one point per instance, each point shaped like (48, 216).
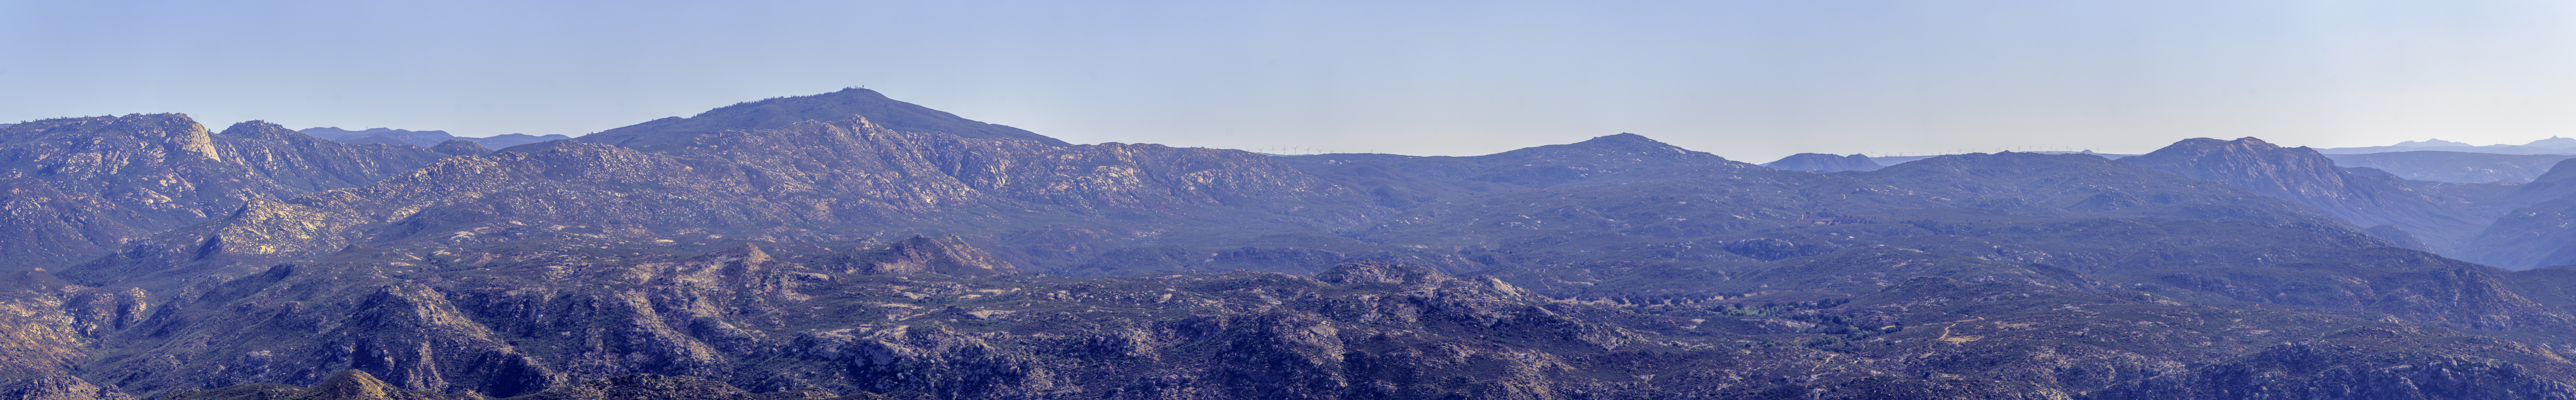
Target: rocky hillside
(78, 187)
(1044, 206)
(2302, 175)
(848, 258)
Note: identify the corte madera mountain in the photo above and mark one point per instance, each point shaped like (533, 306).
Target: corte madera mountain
(839, 255)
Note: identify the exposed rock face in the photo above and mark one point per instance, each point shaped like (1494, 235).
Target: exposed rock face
(77, 187)
(2304, 176)
(346, 385)
(58, 387)
(946, 255)
(649, 386)
(304, 164)
(843, 259)
(1824, 163)
(565, 325)
(2368, 363)
(835, 106)
(808, 182)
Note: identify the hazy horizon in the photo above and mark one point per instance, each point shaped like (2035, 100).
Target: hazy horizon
(1748, 80)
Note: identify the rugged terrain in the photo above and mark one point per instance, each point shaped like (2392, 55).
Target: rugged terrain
(2305, 176)
(814, 248)
(80, 187)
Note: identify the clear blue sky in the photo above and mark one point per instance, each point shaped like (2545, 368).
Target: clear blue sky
(1750, 80)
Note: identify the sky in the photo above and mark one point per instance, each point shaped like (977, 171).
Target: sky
(1750, 80)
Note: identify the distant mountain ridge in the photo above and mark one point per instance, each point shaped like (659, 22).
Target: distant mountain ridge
(843, 257)
(1820, 162)
(2552, 145)
(422, 138)
(1399, 180)
(2305, 176)
(2453, 166)
(834, 106)
(1894, 160)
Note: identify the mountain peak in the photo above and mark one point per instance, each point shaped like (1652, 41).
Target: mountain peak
(1622, 137)
(2304, 176)
(835, 106)
(2553, 141)
(1623, 142)
(1821, 162)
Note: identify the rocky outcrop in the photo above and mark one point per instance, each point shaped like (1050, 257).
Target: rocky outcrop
(2367, 363)
(346, 385)
(77, 187)
(306, 164)
(658, 387)
(945, 254)
(58, 387)
(1824, 163)
(812, 181)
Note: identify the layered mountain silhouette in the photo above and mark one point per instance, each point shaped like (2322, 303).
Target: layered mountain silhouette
(2454, 167)
(422, 138)
(805, 248)
(2535, 232)
(2552, 145)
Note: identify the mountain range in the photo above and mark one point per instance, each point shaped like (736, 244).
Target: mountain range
(422, 138)
(2552, 145)
(850, 246)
